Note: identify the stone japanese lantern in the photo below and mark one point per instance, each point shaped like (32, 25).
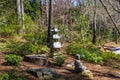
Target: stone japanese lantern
(56, 44)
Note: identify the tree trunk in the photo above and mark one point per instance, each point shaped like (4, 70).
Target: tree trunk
(94, 26)
(20, 12)
(49, 21)
(22, 18)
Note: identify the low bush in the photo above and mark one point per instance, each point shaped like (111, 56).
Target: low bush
(94, 58)
(12, 59)
(44, 49)
(117, 66)
(93, 49)
(38, 38)
(75, 48)
(8, 31)
(91, 53)
(107, 56)
(59, 59)
(12, 76)
(26, 48)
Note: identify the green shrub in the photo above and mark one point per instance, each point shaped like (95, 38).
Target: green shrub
(91, 53)
(85, 54)
(117, 57)
(4, 76)
(13, 75)
(12, 59)
(38, 38)
(75, 48)
(28, 48)
(20, 48)
(13, 46)
(60, 59)
(107, 56)
(94, 58)
(93, 49)
(44, 49)
(117, 66)
(8, 31)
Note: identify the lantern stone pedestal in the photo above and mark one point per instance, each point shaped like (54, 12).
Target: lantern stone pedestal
(55, 43)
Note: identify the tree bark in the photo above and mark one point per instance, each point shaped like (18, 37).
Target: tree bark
(49, 21)
(94, 26)
(20, 12)
(22, 18)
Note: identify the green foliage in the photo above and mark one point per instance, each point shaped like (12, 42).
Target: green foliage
(44, 49)
(75, 13)
(107, 56)
(8, 20)
(2, 47)
(76, 48)
(81, 25)
(16, 47)
(60, 59)
(13, 75)
(35, 43)
(64, 31)
(19, 48)
(8, 31)
(4, 76)
(26, 48)
(32, 9)
(36, 38)
(13, 59)
(93, 49)
(117, 66)
(91, 53)
(30, 26)
(94, 58)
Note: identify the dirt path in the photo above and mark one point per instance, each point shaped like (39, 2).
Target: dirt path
(99, 72)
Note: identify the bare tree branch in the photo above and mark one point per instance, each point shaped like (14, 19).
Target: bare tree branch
(117, 10)
(110, 16)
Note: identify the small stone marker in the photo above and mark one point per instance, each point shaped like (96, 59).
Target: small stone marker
(80, 68)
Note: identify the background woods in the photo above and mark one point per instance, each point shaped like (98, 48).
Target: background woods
(90, 28)
(93, 20)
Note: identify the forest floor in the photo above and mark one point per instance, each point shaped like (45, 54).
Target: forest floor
(100, 72)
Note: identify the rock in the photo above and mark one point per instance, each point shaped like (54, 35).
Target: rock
(70, 65)
(115, 73)
(39, 59)
(79, 67)
(98, 65)
(44, 73)
(87, 75)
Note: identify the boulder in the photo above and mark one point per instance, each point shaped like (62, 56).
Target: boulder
(87, 75)
(39, 59)
(44, 73)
